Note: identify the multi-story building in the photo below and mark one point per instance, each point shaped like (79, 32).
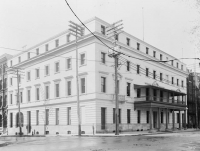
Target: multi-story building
(193, 99)
(152, 94)
(3, 92)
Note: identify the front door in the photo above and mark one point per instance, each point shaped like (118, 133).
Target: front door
(154, 119)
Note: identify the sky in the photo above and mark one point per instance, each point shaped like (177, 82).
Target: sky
(167, 23)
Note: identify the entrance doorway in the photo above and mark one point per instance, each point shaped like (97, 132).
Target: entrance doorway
(154, 119)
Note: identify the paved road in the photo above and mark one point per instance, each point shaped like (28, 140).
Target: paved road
(184, 141)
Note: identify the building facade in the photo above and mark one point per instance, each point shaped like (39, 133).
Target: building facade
(152, 95)
(193, 99)
(3, 93)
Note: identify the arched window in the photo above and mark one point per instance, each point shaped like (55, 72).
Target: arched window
(17, 119)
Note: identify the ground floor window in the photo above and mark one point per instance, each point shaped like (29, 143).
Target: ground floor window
(103, 118)
(119, 115)
(128, 116)
(69, 116)
(138, 116)
(11, 119)
(161, 117)
(147, 116)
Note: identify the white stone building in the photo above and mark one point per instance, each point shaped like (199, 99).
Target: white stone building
(48, 85)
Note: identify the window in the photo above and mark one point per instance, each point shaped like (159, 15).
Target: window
(161, 57)
(19, 59)
(47, 47)
(29, 95)
(161, 76)
(37, 72)
(116, 37)
(103, 84)
(119, 115)
(82, 85)
(181, 67)
(178, 117)
(154, 74)
(147, 72)
(172, 80)
(128, 65)
(128, 116)
(103, 118)
(172, 63)
(128, 41)
(177, 65)
(138, 93)
(161, 117)
(69, 88)
(57, 67)
(82, 58)
(37, 94)
(47, 92)
(11, 63)
(68, 38)
(147, 50)
(57, 90)
(138, 46)
(147, 116)
(11, 83)
(103, 57)
(154, 54)
(28, 76)
(138, 116)
(37, 51)
(182, 83)
(128, 89)
(177, 82)
(69, 116)
(37, 117)
(11, 119)
(69, 63)
(103, 30)
(138, 69)
(28, 55)
(57, 42)
(47, 117)
(11, 98)
(57, 116)
(47, 70)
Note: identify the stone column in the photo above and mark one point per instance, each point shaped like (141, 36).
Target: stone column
(159, 119)
(179, 119)
(173, 120)
(167, 119)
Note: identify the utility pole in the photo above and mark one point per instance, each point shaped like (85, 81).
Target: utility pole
(113, 31)
(18, 99)
(77, 31)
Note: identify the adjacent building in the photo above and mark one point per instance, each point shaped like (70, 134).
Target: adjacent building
(152, 95)
(3, 92)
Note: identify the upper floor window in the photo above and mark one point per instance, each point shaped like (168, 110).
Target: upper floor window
(172, 62)
(19, 59)
(82, 58)
(116, 37)
(154, 54)
(138, 69)
(103, 30)
(57, 67)
(103, 57)
(177, 64)
(147, 50)
(103, 84)
(37, 73)
(11, 63)
(182, 84)
(28, 55)
(128, 65)
(138, 93)
(138, 46)
(161, 76)
(46, 70)
(37, 51)
(147, 72)
(69, 63)
(37, 93)
(57, 42)
(69, 87)
(82, 85)
(46, 47)
(172, 80)
(181, 67)
(161, 57)
(128, 41)
(47, 92)
(28, 76)
(177, 82)
(57, 89)
(128, 89)
(154, 74)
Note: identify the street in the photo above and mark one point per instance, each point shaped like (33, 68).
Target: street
(184, 141)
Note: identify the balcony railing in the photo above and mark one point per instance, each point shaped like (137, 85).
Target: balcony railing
(160, 99)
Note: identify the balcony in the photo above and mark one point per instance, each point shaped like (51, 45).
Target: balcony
(159, 99)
